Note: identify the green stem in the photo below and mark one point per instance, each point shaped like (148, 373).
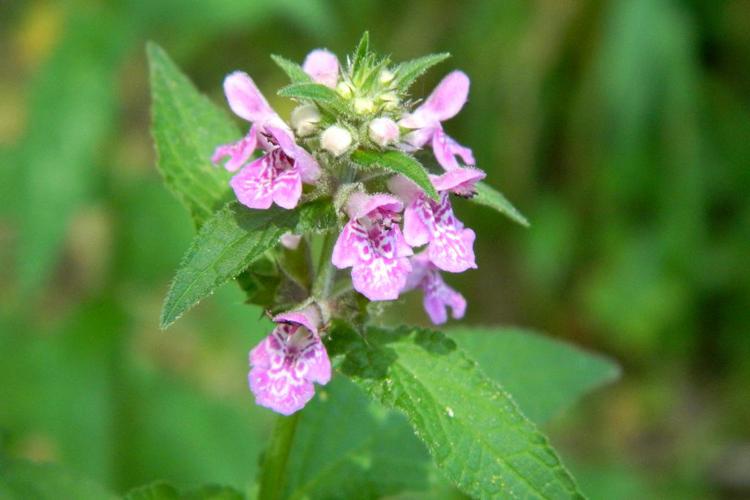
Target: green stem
(325, 271)
(273, 470)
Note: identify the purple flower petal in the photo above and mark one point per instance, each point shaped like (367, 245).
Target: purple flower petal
(245, 99)
(446, 149)
(239, 152)
(322, 66)
(287, 362)
(444, 103)
(460, 181)
(287, 188)
(380, 278)
(349, 245)
(438, 297)
(253, 185)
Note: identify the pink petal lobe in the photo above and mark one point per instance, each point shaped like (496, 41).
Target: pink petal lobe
(322, 66)
(307, 166)
(360, 204)
(453, 250)
(280, 390)
(253, 185)
(417, 216)
(346, 251)
(381, 279)
(238, 152)
(245, 99)
(287, 188)
(459, 180)
(447, 99)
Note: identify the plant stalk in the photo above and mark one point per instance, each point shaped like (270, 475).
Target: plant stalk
(273, 469)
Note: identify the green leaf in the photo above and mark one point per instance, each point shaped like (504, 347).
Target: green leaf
(472, 428)
(20, 479)
(325, 97)
(293, 70)
(230, 241)
(161, 490)
(341, 434)
(398, 162)
(71, 112)
(409, 71)
(360, 55)
(505, 355)
(186, 129)
(311, 91)
(490, 197)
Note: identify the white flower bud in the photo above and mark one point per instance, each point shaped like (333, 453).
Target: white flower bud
(390, 99)
(385, 76)
(305, 119)
(363, 106)
(383, 131)
(336, 140)
(345, 90)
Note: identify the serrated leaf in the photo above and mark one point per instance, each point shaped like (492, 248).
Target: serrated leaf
(187, 127)
(311, 91)
(325, 97)
(230, 241)
(471, 426)
(409, 71)
(490, 197)
(397, 162)
(505, 355)
(20, 479)
(293, 70)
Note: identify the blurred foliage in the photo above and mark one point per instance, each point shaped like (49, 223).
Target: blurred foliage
(621, 128)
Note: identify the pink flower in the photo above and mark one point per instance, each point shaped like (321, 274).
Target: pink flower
(323, 67)
(426, 221)
(276, 176)
(373, 246)
(287, 362)
(438, 296)
(444, 103)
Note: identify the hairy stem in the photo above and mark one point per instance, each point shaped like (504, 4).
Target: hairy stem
(273, 469)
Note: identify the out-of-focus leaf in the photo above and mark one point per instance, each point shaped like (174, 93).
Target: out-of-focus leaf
(158, 490)
(505, 354)
(409, 71)
(472, 428)
(230, 241)
(399, 163)
(62, 383)
(161, 490)
(26, 480)
(71, 111)
(490, 197)
(342, 435)
(187, 127)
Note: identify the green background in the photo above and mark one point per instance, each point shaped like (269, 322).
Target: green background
(620, 128)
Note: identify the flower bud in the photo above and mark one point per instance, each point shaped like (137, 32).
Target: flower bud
(363, 106)
(345, 90)
(383, 131)
(336, 140)
(385, 76)
(390, 100)
(305, 119)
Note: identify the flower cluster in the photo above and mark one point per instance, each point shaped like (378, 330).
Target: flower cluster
(396, 236)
